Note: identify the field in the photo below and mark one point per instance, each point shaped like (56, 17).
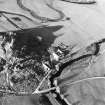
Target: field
(85, 26)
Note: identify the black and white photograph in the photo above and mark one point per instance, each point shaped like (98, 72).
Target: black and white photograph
(52, 52)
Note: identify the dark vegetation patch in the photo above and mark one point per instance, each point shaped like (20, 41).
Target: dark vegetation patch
(16, 19)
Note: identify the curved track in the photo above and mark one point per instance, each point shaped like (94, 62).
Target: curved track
(42, 19)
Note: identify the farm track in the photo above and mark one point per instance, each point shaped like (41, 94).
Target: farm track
(42, 19)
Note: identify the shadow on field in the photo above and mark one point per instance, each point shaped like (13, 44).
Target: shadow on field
(34, 41)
